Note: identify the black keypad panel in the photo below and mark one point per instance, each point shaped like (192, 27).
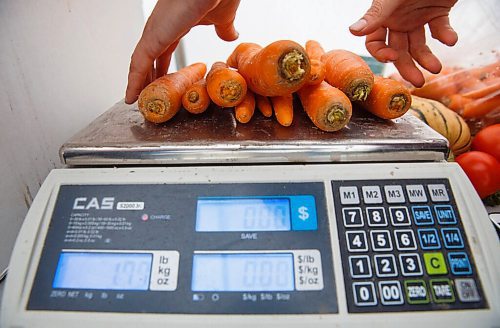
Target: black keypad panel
(404, 247)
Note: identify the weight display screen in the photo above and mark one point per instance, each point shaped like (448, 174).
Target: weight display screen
(243, 214)
(242, 272)
(109, 271)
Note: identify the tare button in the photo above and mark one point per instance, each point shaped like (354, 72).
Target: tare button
(308, 272)
(164, 271)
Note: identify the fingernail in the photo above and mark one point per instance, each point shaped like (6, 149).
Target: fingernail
(359, 25)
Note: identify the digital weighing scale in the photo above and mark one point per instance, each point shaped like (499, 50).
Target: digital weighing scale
(206, 221)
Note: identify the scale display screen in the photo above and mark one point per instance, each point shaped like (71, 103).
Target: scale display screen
(106, 271)
(243, 214)
(242, 272)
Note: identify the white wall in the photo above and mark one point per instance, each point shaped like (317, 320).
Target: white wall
(62, 63)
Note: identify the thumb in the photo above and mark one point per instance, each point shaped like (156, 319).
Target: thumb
(226, 32)
(379, 11)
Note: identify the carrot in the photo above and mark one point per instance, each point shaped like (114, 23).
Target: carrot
(327, 107)
(388, 99)
(283, 109)
(279, 69)
(490, 87)
(348, 72)
(226, 87)
(244, 111)
(196, 100)
(161, 99)
(456, 102)
(264, 105)
(318, 70)
(482, 106)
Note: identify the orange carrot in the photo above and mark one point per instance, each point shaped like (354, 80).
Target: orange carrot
(244, 111)
(327, 107)
(161, 99)
(348, 72)
(283, 109)
(490, 87)
(279, 69)
(196, 100)
(482, 106)
(264, 105)
(388, 99)
(226, 87)
(456, 102)
(318, 70)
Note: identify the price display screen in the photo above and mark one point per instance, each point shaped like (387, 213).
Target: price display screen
(242, 272)
(243, 214)
(110, 271)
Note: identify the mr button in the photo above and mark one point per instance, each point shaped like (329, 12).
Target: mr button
(435, 263)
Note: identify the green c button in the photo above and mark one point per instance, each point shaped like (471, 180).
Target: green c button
(435, 263)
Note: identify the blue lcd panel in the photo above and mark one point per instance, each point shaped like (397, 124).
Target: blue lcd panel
(111, 271)
(242, 272)
(243, 214)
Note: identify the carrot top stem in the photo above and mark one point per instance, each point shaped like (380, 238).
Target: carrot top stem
(336, 113)
(398, 102)
(158, 106)
(361, 91)
(292, 66)
(230, 90)
(193, 96)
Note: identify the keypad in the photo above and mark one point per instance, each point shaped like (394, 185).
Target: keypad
(404, 247)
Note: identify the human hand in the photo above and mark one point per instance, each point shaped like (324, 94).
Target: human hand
(168, 23)
(394, 31)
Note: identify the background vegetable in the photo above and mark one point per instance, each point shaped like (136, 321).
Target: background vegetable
(444, 121)
(488, 140)
(482, 170)
(161, 99)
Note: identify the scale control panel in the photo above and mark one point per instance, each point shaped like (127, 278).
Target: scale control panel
(334, 245)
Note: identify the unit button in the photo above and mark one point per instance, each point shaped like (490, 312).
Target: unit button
(416, 193)
(394, 194)
(372, 195)
(467, 290)
(349, 195)
(438, 193)
(445, 214)
(364, 294)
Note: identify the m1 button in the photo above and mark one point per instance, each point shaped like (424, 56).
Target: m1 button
(349, 195)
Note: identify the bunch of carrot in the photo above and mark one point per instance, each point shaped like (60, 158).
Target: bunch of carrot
(472, 92)
(267, 77)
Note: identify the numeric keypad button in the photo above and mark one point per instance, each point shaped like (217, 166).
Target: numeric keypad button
(356, 241)
(390, 292)
(410, 265)
(360, 266)
(381, 240)
(364, 294)
(353, 217)
(405, 240)
(376, 217)
(385, 265)
(399, 216)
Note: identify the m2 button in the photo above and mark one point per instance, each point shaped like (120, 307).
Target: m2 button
(372, 195)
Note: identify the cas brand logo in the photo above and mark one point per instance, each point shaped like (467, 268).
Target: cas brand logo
(87, 203)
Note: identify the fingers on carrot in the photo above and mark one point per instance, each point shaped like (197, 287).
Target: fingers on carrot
(283, 109)
(388, 99)
(327, 107)
(482, 106)
(196, 100)
(226, 87)
(244, 111)
(349, 73)
(162, 98)
(279, 69)
(264, 105)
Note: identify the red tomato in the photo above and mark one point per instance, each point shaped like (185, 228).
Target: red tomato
(483, 171)
(488, 140)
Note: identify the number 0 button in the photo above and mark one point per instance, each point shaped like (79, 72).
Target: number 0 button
(390, 292)
(364, 293)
